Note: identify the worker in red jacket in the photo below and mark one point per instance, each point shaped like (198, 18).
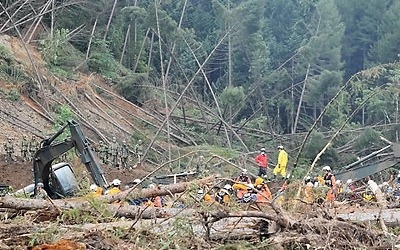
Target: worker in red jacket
(262, 162)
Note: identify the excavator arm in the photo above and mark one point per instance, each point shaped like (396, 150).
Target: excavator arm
(59, 180)
(371, 164)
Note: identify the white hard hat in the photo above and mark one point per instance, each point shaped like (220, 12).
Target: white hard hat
(116, 182)
(244, 171)
(310, 184)
(307, 178)
(262, 149)
(93, 187)
(152, 185)
(280, 147)
(338, 181)
(136, 181)
(327, 168)
(349, 181)
(227, 187)
(39, 184)
(200, 191)
(250, 186)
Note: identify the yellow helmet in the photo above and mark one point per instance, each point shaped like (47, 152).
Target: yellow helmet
(258, 181)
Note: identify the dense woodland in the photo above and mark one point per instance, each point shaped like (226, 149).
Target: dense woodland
(282, 67)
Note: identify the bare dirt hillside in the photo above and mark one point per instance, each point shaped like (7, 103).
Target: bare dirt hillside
(34, 110)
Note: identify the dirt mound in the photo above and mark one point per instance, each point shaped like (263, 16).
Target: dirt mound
(16, 174)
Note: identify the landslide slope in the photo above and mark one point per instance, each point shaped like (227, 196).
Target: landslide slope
(35, 103)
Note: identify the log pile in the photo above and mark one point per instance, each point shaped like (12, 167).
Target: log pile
(212, 224)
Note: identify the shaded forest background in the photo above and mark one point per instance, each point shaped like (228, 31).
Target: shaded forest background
(232, 74)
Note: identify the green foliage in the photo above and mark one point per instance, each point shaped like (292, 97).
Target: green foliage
(5, 53)
(316, 143)
(133, 87)
(366, 139)
(102, 61)
(13, 95)
(52, 47)
(231, 97)
(45, 235)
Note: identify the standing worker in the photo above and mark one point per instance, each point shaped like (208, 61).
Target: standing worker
(25, 148)
(330, 181)
(113, 152)
(9, 149)
(262, 162)
(139, 151)
(282, 162)
(33, 146)
(124, 153)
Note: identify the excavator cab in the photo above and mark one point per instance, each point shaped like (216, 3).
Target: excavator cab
(62, 180)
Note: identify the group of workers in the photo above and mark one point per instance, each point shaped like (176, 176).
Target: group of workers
(280, 168)
(27, 148)
(242, 190)
(116, 154)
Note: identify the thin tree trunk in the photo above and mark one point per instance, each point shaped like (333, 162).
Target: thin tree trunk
(301, 100)
(125, 43)
(150, 52)
(109, 20)
(90, 40)
(165, 87)
(141, 50)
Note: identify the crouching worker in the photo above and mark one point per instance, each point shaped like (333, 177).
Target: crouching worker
(156, 201)
(249, 196)
(95, 191)
(264, 194)
(203, 197)
(223, 196)
(40, 192)
(241, 190)
(115, 187)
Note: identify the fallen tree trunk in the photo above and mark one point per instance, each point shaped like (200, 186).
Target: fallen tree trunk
(126, 211)
(160, 190)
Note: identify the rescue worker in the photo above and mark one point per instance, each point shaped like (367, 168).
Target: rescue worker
(282, 162)
(9, 149)
(330, 181)
(249, 196)
(95, 191)
(115, 187)
(33, 146)
(223, 195)
(308, 192)
(203, 197)
(113, 152)
(349, 188)
(262, 162)
(264, 194)
(102, 151)
(124, 153)
(40, 192)
(243, 177)
(139, 151)
(156, 201)
(241, 187)
(25, 148)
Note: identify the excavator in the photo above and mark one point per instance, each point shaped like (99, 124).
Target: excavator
(373, 163)
(59, 179)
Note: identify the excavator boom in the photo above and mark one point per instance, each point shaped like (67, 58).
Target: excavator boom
(59, 180)
(371, 164)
